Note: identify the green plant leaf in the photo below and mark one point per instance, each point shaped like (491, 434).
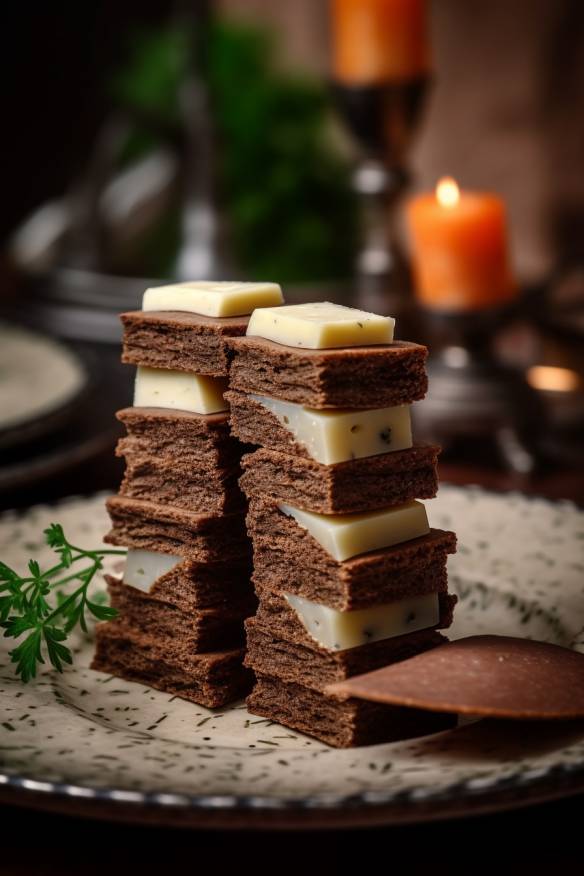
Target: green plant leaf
(58, 653)
(40, 611)
(28, 655)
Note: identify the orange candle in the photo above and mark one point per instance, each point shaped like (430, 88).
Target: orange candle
(459, 249)
(379, 40)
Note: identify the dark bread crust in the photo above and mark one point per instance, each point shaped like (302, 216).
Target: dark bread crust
(314, 666)
(149, 526)
(340, 723)
(275, 613)
(254, 424)
(180, 341)
(353, 377)
(207, 629)
(287, 557)
(210, 679)
(199, 488)
(192, 585)
(179, 437)
(347, 487)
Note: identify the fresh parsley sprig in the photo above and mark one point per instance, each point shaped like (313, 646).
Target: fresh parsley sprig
(40, 610)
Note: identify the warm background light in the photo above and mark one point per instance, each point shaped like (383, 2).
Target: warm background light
(447, 192)
(550, 378)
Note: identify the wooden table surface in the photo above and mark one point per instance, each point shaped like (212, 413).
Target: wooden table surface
(541, 839)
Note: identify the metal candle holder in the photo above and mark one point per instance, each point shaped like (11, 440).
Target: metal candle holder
(382, 120)
(474, 395)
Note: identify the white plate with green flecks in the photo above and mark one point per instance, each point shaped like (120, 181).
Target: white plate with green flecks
(84, 741)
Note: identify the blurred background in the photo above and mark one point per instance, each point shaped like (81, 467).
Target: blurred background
(289, 141)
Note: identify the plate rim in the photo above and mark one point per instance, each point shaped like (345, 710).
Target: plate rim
(535, 786)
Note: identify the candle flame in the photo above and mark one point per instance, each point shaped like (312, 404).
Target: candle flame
(447, 192)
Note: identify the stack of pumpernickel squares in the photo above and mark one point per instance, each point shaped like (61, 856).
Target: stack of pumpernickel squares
(186, 588)
(348, 574)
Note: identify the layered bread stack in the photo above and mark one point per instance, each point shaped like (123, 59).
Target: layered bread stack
(186, 588)
(348, 574)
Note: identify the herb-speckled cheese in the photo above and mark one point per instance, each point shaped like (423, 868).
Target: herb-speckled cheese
(340, 630)
(347, 535)
(332, 436)
(320, 326)
(218, 299)
(179, 390)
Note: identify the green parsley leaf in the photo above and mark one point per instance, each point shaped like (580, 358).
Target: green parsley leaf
(41, 611)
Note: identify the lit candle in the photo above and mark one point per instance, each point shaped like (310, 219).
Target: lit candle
(459, 249)
(379, 40)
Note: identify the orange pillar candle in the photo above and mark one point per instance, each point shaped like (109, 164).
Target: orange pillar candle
(459, 249)
(376, 41)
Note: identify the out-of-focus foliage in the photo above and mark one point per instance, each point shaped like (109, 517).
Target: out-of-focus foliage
(149, 81)
(283, 184)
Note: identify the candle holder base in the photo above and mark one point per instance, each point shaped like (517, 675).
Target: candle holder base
(472, 395)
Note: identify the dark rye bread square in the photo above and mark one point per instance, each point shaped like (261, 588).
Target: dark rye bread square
(276, 614)
(192, 585)
(287, 557)
(196, 487)
(350, 377)
(313, 666)
(179, 437)
(180, 341)
(339, 723)
(212, 679)
(137, 523)
(207, 629)
(346, 487)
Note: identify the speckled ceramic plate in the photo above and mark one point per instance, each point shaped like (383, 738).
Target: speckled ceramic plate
(86, 741)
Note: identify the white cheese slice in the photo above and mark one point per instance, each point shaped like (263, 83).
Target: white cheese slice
(213, 298)
(320, 326)
(339, 630)
(332, 436)
(348, 535)
(179, 390)
(143, 568)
